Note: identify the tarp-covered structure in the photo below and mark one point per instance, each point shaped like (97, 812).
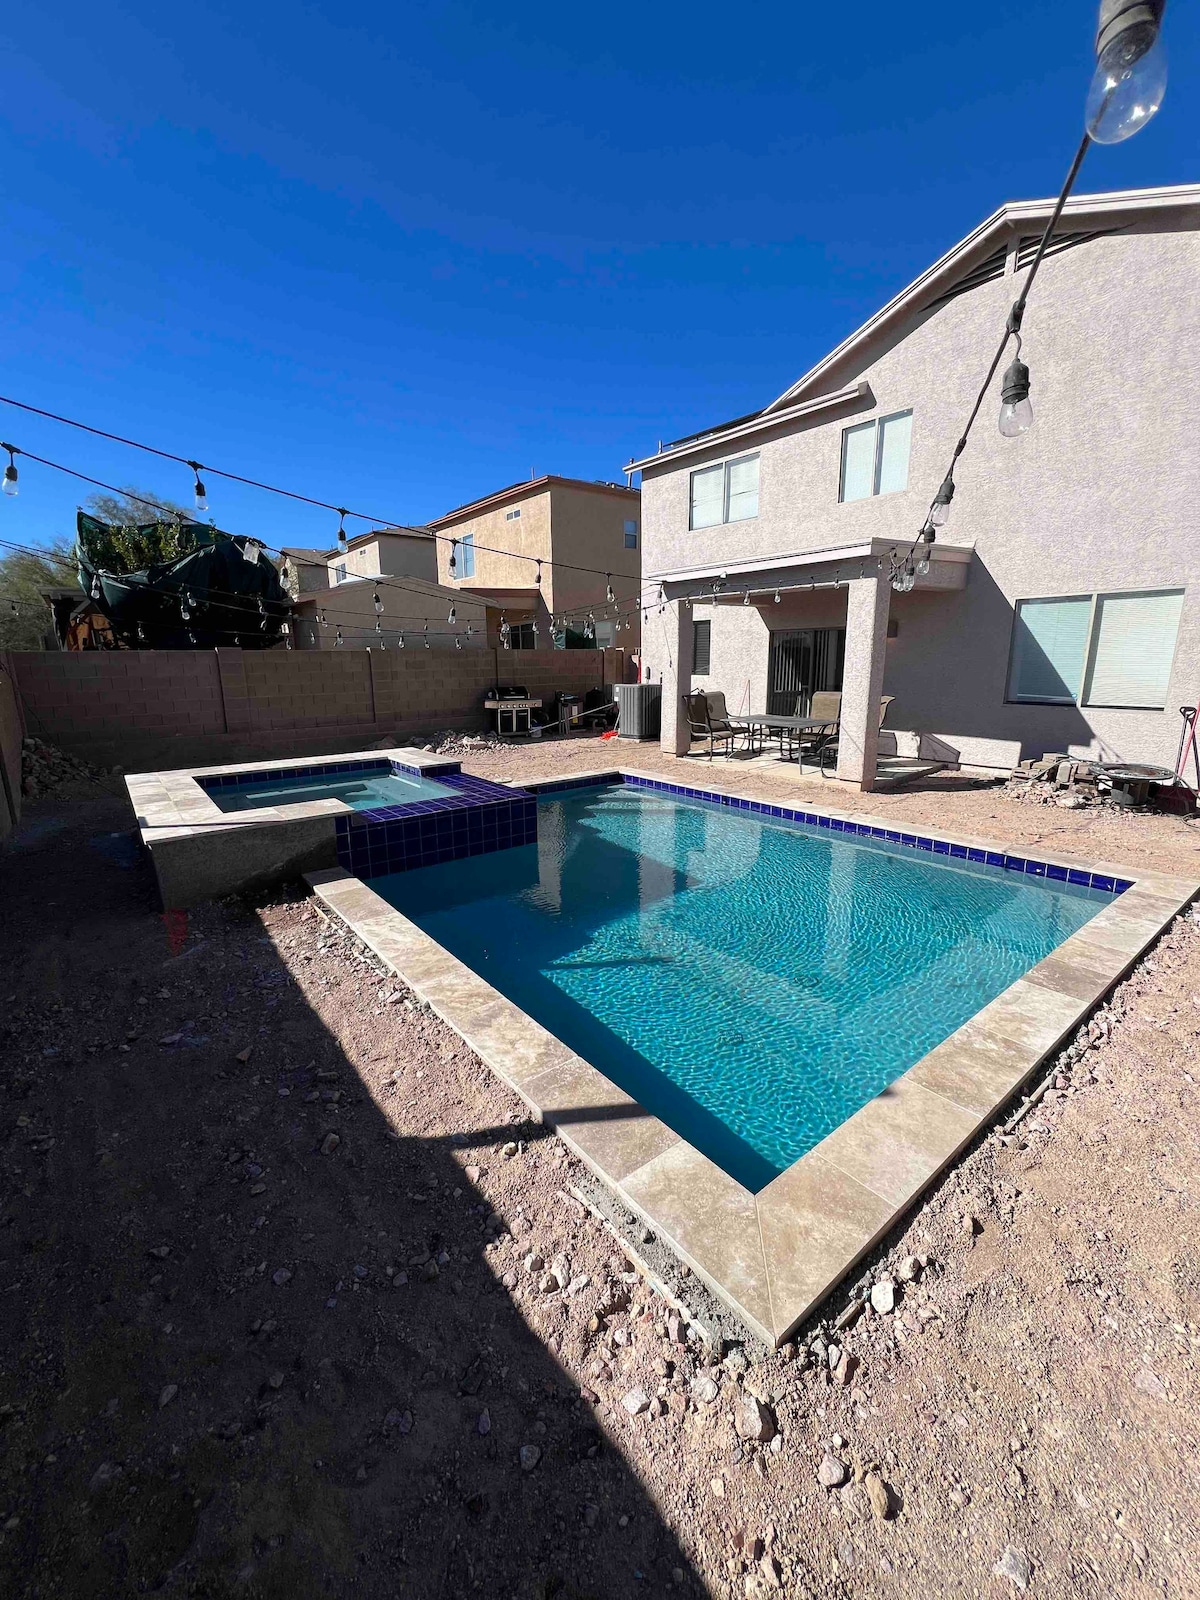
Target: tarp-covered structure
(220, 590)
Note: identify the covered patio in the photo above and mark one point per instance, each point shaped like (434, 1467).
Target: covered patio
(780, 630)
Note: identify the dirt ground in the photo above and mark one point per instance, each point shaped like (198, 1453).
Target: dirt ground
(281, 1312)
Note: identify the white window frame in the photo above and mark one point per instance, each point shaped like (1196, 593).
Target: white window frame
(466, 548)
(631, 532)
(731, 461)
(1090, 640)
(876, 424)
(513, 516)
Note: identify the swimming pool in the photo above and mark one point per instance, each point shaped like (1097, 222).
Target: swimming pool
(364, 790)
(750, 981)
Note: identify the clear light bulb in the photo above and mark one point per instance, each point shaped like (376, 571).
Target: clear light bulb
(201, 496)
(1128, 85)
(940, 515)
(11, 486)
(922, 563)
(1016, 418)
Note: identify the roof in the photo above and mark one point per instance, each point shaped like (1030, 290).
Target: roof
(808, 393)
(518, 491)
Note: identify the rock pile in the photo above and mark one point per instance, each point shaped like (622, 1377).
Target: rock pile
(46, 769)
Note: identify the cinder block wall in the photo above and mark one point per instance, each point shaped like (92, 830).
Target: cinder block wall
(10, 749)
(147, 708)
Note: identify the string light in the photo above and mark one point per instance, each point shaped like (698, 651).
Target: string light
(10, 472)
(377, 602)
(458, 641)
(338, 637)
(777, 597)
(400, 641)
(538, 575)
(608, 593)
(199, 492)
(453, 612)
(343, 543)
(453, 557)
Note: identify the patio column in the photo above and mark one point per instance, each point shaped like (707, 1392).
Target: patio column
(674, 650)
(867, 604)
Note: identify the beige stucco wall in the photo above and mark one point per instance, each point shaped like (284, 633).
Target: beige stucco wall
(396, 555)
(351, 606)
(1101, 495)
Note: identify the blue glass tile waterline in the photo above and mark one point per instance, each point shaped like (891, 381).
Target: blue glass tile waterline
(750, 980)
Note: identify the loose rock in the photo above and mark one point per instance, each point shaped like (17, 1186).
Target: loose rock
(832, 1472)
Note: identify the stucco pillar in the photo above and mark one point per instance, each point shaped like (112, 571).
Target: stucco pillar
(867, 603)
(674, 652)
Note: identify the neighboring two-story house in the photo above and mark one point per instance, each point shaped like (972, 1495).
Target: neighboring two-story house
(353, 610)
(545, 555)
(1061, 606)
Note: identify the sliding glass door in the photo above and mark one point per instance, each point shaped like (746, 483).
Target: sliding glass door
(803, 660)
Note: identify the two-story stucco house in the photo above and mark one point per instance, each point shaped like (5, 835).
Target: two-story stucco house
(1061, 607)
(546, 554)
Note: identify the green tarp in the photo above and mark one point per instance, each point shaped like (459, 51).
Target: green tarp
(221, 589)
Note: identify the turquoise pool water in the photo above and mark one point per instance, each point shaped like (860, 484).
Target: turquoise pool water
(751, 982)
(365, 791)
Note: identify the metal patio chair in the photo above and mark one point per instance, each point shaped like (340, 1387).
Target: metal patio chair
(703, 726)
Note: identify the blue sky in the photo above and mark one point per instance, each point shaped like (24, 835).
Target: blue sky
(399, 256)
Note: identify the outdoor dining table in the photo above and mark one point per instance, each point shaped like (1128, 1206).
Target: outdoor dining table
(783, 728)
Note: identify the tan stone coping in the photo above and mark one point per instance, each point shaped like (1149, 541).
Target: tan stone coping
(773, 1256)
(173, 805)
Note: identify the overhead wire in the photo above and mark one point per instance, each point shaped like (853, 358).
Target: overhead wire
(290, 494)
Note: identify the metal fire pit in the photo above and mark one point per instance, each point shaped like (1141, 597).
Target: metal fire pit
(1131, 783)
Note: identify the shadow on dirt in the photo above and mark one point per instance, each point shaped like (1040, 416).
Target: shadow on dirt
(243, 1358)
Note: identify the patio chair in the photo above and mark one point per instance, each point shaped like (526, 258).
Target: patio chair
(703, 726)
(718, 713)
(825, 705)
(829, 750)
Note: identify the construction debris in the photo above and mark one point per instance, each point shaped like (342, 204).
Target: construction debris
(1074, 783)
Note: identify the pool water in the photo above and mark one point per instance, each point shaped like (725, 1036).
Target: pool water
(365, 791)
(750, 982)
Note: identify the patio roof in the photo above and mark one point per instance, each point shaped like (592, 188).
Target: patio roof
(944, 556)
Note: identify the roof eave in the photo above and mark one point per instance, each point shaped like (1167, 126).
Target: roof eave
(1113, 202)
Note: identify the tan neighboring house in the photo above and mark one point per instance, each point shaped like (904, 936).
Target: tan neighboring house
(303, 570)
(382, 593)
(568, 525)
(1061, 608)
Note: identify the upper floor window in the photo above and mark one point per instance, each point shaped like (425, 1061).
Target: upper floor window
(875, 456)
(513, 516)
(727, 492)
(466, 556)
(630, 535)
(339, 572)
(1095, 650)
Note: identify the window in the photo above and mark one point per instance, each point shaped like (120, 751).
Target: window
(701, 648)
(522, 637)
(339, 572)
(630, 535)
(875, 457)
(513, 516)
(727, 492)
(1095, 650)
(1049, 637)
(605, 635)
(466, 556)
(1133, 645)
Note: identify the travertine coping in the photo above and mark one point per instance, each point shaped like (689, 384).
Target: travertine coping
(774, 1255)
(173, 805)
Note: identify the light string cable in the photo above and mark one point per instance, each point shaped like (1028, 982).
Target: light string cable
(903, 564)
(291, 494)
(173, 516)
